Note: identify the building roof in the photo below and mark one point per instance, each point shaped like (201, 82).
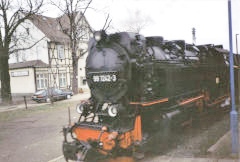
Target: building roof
(51, 27)
(27, 64)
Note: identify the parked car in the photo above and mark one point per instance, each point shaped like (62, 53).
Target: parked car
(52, 93)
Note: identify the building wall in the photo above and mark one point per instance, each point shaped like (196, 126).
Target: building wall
(47, 51)
(42, 78)
(60, 65)
(30, 34)
(82, 83)
(22, 80)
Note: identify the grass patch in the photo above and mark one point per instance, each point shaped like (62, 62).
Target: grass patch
(14, 114)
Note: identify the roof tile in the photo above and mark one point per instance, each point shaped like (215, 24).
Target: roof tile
(33, 63)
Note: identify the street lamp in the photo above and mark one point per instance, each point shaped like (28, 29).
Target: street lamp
(233, 113)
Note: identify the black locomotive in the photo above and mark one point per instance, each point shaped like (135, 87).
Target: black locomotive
(140, 85)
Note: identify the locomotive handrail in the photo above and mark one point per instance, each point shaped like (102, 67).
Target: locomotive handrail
(218, 100)
(190, 100)
(184, 102)
(149, 103)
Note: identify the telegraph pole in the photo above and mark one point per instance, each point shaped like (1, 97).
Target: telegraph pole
(233, 113)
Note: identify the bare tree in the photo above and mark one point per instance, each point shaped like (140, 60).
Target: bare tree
(73, 26)
(136, 22)
(13, 13)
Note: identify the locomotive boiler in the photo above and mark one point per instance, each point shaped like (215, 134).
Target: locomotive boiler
(143, 85)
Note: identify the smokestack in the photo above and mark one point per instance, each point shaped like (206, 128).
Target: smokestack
(193, 35)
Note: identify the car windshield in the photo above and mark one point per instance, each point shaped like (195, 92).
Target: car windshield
(58, 91)
(40, 92)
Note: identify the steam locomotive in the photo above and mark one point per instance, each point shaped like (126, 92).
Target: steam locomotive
(140, 85)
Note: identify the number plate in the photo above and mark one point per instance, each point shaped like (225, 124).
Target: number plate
(104, 78)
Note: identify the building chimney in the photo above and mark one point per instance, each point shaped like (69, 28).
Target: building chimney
(193, 35)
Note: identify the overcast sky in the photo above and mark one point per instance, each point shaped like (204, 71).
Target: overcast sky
(172, 19)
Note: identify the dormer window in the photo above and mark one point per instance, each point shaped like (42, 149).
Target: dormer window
(60, 51)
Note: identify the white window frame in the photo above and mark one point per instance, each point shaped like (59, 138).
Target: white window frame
(42, 81)
(60, 51)
(62, 80)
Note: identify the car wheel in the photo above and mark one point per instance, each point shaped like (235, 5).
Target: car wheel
(48, 100)
(68, 96)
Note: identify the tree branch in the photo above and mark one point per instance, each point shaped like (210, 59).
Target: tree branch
(27, 14)
(26, 48)
(106, 21)
(81, 54)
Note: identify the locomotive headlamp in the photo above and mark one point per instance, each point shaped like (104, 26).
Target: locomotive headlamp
(98, 36)
(112, 111)
(79, 108)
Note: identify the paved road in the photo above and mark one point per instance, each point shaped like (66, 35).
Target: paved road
(162, 159)
(36, 135)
